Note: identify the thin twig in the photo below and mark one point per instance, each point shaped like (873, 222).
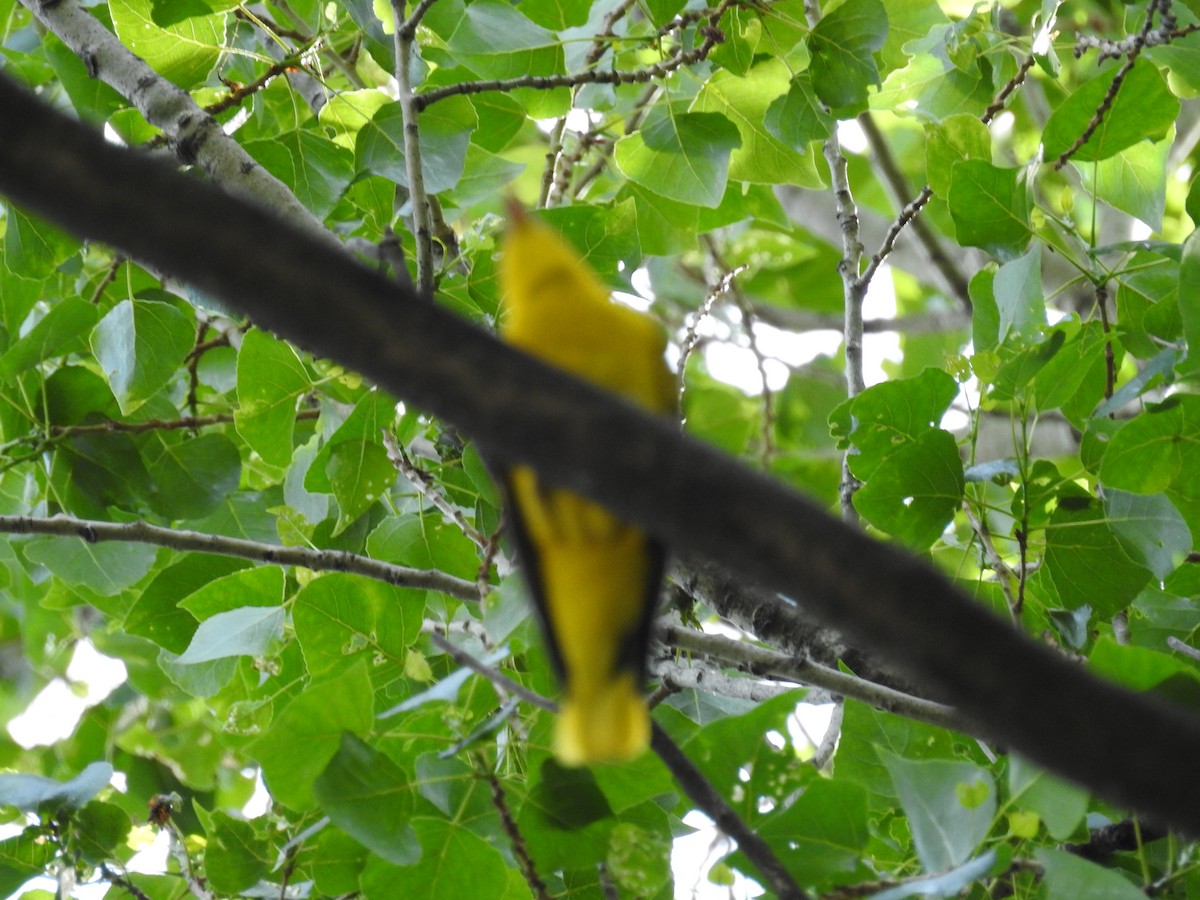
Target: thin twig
(712, 37)
(495, 676)
(559, 166)
(913, 208)
(1110, 96)
(899, 188)
(823, 754)
(700, 791)
(110, 275)
(1004, 574)
(425, 486)
(515, 838)
(1180, 647)
(139, 532)
(1110, 363)
(122, 882)
(632, 123)
(61, 432)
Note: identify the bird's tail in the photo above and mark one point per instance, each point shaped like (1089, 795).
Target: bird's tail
(603, 722)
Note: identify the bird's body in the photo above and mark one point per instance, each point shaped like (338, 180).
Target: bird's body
(594, 578)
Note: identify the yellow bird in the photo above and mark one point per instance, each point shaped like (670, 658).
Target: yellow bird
(594, 579)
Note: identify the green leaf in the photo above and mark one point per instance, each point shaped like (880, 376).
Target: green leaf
(797, 118)
(1133, 181)
(842, 46)
(107, 568)
(742, 31)
(1150, 451)
(250, 631)
(1084, 558)
(945, 830)
(492, 39)
(956, 138)
(555, 14)
(424, 542)
(98, 829)
(887, 416)
(1019, 295)
(360, 473)
(59, 332)
(258, 586)
(33, 248)
(990, 208)
(369, 797)
(454, 864)
(181, 50)
(307, 734)
(483, 174)
(156, 613)
(1149, 529)
(339, 616)
(374, 412)
(607, 238)
(1067, 877)
(1181, 57)
(235, 856)
(933, 89)
(140, 344)
(194, 476)
(915, 492)
(1189, 287)
(565, 817)
(759, 157)
(347, 112)
(823, 833)
(1143, 668)
(682, 156)
(30, 793)
(985, 314)
(951, 883)
(1144, 108)
(23, 856)
(315, 168)
(445, 134)
(270, 380)
(1073, 378)
(337, 860)
(1059, 804)
(719, 414)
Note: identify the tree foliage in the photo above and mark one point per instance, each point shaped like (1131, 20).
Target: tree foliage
(303, 574)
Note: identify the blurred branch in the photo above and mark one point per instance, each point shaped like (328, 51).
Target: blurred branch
(1127, 747)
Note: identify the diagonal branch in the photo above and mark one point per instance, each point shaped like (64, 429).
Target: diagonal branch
(1128, 748)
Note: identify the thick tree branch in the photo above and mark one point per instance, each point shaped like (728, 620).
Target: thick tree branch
(1131, 749)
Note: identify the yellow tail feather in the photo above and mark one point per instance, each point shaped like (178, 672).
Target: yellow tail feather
(610, 724)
